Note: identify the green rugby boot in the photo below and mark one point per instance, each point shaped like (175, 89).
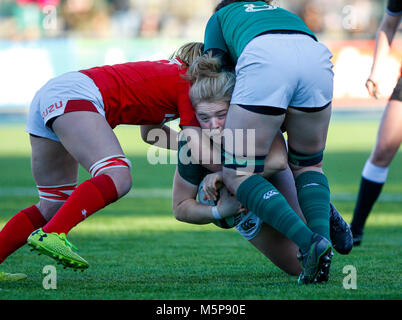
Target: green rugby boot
(57, 247)
(9, 277)
(316, 261)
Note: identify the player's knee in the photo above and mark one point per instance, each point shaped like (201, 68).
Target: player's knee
(179, 215)
(122, 180)
(383, 154)
(277, 162)
(118, 168)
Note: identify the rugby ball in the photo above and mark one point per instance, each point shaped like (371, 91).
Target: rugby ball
(226, 223)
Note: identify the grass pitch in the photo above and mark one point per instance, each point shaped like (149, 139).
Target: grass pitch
(137, 250)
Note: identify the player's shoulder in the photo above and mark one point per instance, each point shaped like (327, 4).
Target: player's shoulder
(167, 64)
(170, 67)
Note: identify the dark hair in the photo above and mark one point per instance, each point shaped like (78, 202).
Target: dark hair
(225, 3)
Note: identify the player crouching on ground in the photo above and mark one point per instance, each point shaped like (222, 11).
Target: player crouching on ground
(211, 115)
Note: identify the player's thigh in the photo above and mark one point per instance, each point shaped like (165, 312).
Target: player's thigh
(389, 134)
(277, 248)
(248, 135)
(307, 131)
(88, 138)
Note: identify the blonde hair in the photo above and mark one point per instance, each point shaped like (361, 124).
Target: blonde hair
(209, 84)
(188, 52)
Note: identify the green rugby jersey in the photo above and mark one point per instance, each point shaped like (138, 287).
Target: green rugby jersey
(191, 172)
(231, 28)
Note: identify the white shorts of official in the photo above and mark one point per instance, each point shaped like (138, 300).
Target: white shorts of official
(284, 70)
(72, 91)
(249, 227)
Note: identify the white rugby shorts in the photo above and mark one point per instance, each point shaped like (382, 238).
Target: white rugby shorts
(284, 70)
(72, 91)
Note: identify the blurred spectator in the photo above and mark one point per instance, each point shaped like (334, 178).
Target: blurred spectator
(312, 15)
(32, 19)
(125, 19)
(87, 18)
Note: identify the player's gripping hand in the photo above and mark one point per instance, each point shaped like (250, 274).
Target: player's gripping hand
(212, 183)
(228, 205)
(372, 87)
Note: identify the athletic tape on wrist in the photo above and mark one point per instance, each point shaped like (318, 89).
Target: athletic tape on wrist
(215, 213)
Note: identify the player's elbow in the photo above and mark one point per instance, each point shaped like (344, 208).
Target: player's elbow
(180, 214)
(145, 136)
(179, 211)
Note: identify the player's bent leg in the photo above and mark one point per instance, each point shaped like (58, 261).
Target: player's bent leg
(306, 146)
(56, 173)
(274, 245)
(89, 139)
(51, 167)
(277, 248)
(307, 134)
(100, 153)
(259, 195)
(376, 168)
(340, 232)
(389, 136)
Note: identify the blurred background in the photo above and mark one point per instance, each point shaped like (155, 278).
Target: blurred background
(40, 39)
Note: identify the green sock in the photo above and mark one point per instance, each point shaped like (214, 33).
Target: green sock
(264, 200)
(314, 198)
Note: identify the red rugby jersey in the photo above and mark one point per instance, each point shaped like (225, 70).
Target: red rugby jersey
(146, 92)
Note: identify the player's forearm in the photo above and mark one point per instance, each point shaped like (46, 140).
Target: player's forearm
(385, 35)
(165, 137)
(172, 139)
(191, 211)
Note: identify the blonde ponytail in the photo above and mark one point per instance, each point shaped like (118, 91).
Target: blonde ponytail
(188, 52)
(204, 66)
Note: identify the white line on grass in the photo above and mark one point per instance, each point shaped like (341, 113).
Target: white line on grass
(167, 193)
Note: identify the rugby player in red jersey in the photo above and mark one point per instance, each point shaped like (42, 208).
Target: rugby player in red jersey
(70, 122)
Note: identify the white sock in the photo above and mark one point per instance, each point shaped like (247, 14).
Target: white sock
(374, 173)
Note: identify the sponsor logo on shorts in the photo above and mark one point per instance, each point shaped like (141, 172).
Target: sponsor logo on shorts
(270, 194)
(52, 108)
